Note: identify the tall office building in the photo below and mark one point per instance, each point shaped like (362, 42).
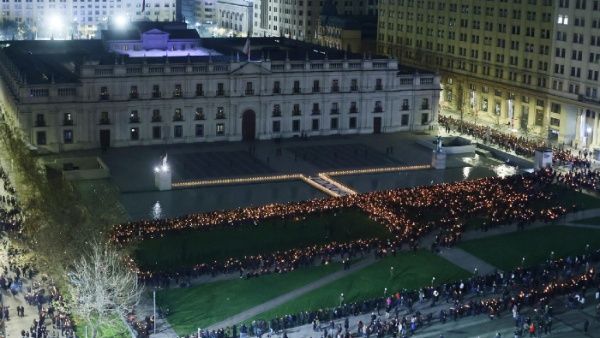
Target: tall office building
(529, 65)
(65, 19)
(299, 19)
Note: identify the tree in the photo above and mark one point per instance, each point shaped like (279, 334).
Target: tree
(102, 287)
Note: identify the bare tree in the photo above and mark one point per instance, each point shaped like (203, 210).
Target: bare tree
(102, 287)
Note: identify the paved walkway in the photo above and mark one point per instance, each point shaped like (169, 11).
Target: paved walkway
(273, 303)
(467, 261)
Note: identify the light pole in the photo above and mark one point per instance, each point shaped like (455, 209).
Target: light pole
(384, 292)
(523, 262)
(432, 281)
(154, 310)
(341, 298)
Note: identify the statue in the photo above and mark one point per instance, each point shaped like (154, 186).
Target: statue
(164, 161)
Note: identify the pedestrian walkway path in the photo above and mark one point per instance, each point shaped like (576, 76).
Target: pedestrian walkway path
(467, 261)
(273, 303)
(163, 328)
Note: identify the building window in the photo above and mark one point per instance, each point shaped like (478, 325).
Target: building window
(539, 117)
(220, 89)
(352, 123)
(133, 92)
(276, 87)
(199, 114)
(156, 132)
(315, 109)
(378, 84)
(178, 131)
(334, 123)
(177, 116)
(378, 107)
(425, 118)
(104, 118)
(425, 103)
(404, 120)
(220, 113)
(104, 93)
(276, 126)
(353, 108)
(555, 108)
(316, 87)
(296, 110)
(68, 136)
(295, 126)
(484, 104)
(220, 129)
(40, 121)
(335, 87)
(67, 119)
(155, 91)
(276, 110)
(134, 117)
(449, 95)
(249, 89)
(177, 92)
(199, 130)
(199, 89)
(405, 105)
(296, 88)
(354, 85)
(334, 108)
(156, 116)
(554, 122)
(40, 138)
(134, 133)
(315, 124)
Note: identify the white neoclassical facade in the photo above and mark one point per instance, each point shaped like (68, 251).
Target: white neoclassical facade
(235, 16)
(64, 101)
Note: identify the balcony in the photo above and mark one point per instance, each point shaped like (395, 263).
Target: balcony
(105, 121)
(405, 108)
(334, 111)
(220, 93)
(276, 91)
(104, 97)
(40, 123)
(67, 122)
(296, 90)
(353, 88)
(296, 112)
(134, 95)
(378, 110)
(335, 89)
(177, 118)
(199, 93)
(249, 92)
(156, 95)
(177, 93)
(156, 119)
(276, 113)
(378, 87)
(424, 106)
(353, 110)
(316, 89)
(316, 111)
(134, 119)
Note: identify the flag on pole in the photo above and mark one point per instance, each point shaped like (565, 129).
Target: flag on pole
(246, 49)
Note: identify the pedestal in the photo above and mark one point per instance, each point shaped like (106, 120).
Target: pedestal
(543, 158)
(438, 160)
(162, 180)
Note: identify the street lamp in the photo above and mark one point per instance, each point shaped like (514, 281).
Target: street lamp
(341, 298)
(432, 281)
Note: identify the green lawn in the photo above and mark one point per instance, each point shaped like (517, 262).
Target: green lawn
(206, 304)
(568, 197)
(193, 247)
(507, 251)
(118, 330)
(589, 221)
(411, 271)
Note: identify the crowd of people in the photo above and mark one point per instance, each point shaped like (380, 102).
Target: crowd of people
(404, 312)
(409, 215)
(518, 144)
(10, 213)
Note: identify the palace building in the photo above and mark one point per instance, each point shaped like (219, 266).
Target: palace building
(159, 83)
